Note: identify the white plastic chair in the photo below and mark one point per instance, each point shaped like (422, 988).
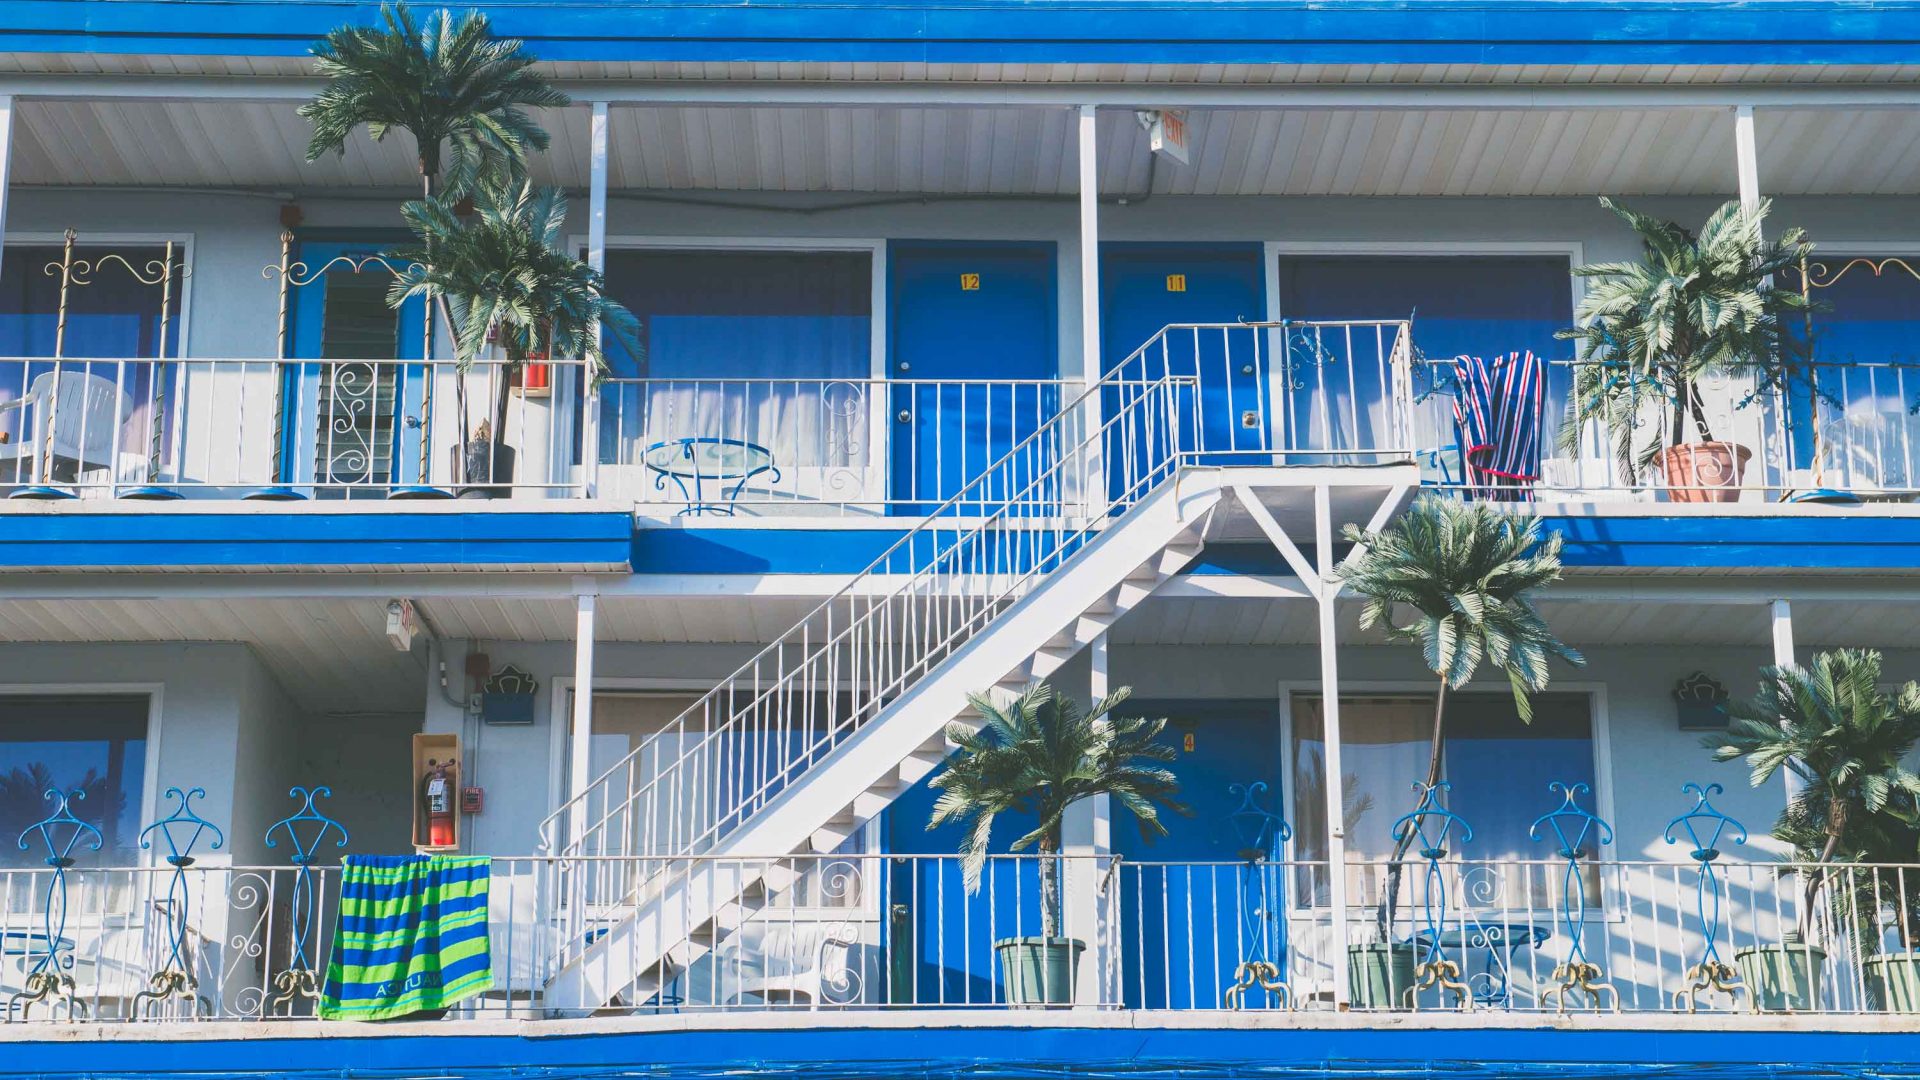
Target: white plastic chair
(87, 419)
(799, 963)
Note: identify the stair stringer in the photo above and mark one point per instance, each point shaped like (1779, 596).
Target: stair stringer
(1116, 569)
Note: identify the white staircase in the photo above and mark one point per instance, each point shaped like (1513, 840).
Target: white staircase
(690, 912)
(681, 842)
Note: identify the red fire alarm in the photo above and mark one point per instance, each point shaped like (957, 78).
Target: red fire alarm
(472, 799)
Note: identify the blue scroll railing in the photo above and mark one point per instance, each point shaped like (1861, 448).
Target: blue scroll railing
(1577, 835)
(304, 830)
(49, 977)
(1427, 830)
(181, 832)
(1259, 836)
(1705, 827)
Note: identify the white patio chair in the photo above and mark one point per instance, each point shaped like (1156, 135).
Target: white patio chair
(87, 419)
(794, 964)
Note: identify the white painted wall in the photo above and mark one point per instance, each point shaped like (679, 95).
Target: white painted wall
(224, 724)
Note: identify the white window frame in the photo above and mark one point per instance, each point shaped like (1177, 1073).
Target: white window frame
(150, 767)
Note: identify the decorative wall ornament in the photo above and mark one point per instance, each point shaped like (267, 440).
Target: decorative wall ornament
(176, 977)
(1577, 832)
(1702, 703)
(1705, 825)
(306, 828)
(47, 979)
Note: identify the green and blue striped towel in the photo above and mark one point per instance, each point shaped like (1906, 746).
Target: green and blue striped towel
(412, 936)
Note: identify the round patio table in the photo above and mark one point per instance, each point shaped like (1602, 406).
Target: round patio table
(693, 462)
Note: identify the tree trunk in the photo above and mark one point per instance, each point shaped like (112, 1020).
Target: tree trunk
(1817, 877)
(1396, 865)
(1050, 912)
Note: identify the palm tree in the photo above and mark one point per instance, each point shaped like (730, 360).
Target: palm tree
(1846, 739)
(1466, 571)
(1693, 306)
(1040, 754)
(506, 278)
(453, 86)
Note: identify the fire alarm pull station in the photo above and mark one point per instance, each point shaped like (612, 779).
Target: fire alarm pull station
(472, 799)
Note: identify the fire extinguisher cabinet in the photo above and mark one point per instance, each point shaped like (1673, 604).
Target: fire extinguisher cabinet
(436, 758)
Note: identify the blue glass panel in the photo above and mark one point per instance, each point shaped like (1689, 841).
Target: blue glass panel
(96, 745)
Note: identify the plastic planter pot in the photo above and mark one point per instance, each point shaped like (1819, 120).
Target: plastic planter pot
(1783, 978)
(1893, 982)
(1039, 970)
(1379, 974)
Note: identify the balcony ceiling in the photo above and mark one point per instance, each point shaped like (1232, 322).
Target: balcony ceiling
(1015, 152)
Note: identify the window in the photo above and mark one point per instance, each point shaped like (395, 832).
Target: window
(92, 744)
(770, 348)
(1868, 373)
(1500, 768)
(353, 437)
(112, 317)
(1474, 305)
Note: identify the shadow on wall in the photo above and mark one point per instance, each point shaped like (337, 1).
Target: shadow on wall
(367, 760)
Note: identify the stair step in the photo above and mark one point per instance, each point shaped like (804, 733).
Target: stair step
(870, 803)
(1082, 630)
(834, 832)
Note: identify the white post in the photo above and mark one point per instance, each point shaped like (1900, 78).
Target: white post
(580, 736)
(1095, 477)
(1746, 155)
(1330, 741)
(1780, 613)
(6, 160)
(596, 258)
(1086, 834)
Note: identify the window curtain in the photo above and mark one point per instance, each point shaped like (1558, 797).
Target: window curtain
(112, 317)
(1499, 766)
(769, 348)
(1460, 305)
(1868, 375)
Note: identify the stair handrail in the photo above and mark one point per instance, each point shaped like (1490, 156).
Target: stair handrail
(1144, 391)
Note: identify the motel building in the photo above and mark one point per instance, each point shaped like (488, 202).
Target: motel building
(1097, 342)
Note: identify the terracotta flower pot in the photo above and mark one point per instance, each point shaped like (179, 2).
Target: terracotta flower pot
(1707, 472)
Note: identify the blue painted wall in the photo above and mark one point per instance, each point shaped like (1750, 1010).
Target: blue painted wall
(1014, 31)
(935, 1050)
(308, 537)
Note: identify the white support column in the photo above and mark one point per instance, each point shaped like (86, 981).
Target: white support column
(1086, 834)
(1746, 154)
(6, 162)
(1095, 478)
(1780, 614)
(596, 258)
(580, 735)
(1328, 591)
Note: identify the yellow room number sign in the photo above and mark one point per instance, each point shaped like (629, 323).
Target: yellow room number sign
(1176, 283)
(969, 282)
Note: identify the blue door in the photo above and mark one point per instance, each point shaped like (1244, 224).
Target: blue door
(971, 341)
(355, 422)
(1145, 287)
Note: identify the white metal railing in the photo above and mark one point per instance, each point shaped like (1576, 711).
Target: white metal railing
(891, 931)
(319, 428)
(945, 580)
(769, 446)
(1849, 427)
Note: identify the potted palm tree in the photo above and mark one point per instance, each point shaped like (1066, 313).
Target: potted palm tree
(1847, 740)
(1038, 754)
(1694, 306)
(462, 94)
(508, 283)
(458, 90)
(1466, 573)
(1874, 873)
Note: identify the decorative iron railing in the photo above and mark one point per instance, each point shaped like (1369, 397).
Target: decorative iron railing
(890, 931)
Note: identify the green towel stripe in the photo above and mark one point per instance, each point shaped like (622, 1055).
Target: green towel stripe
(415, 965)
